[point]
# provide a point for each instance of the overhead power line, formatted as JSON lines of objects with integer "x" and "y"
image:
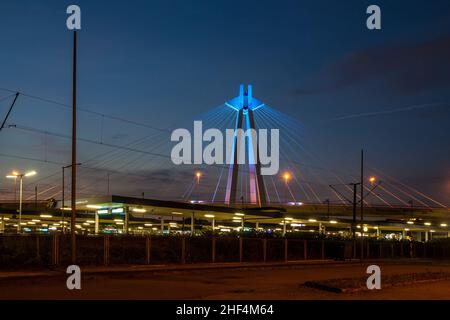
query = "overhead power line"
{"x": 108, "y": 116}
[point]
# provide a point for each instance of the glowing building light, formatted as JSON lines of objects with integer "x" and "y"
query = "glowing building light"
{"x": 297, "y": 225}
{"x": 93, "y": 206}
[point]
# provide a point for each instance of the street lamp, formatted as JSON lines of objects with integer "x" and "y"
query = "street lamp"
{"x": 211, "y": 216}
{"x": 198, "y": 175}
{"x": 16, "y": 175}
{"x": 372, "y": 180}
{"x": 286, "y": 177}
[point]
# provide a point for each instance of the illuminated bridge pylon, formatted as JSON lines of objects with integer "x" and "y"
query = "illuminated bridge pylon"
{"x": 244, "y": 105}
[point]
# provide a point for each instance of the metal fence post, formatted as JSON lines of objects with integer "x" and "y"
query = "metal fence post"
{"x": 264, "y": 249}
{"x": 240, "y": 250}
{"x": 106, "y": 250}
{"x": 38, "y": 249}
{"x": 285, "y": 250}
{"x": 55, "y": 250}
{"x": 323, "y": 250}
{"x": 305, "y": 249}
{"x": 213, "y": 250}
{"x": 148, "y": 249}
{"x": 183, "y": 250}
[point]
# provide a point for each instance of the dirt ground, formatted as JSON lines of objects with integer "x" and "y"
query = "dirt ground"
{"x": 242, "y": 284}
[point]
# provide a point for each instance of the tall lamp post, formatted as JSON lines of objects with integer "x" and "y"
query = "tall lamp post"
{"x": 286, "y": 177}
{"x": 63, "y": 207}
{"x": 16, "y": 175}
{"x": 198, "y": 175}
{"x": 73, "y": 23}
{"x": 354, "y": 202}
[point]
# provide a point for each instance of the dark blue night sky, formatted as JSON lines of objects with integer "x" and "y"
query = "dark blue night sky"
{"x": 162, "y": 62}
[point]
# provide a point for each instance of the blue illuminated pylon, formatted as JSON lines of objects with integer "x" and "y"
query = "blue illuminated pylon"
{"x": 244, "y": 105}
{"x": 245, "y": 100}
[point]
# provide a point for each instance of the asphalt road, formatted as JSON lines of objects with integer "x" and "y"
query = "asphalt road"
{"x": 263, "y": 283}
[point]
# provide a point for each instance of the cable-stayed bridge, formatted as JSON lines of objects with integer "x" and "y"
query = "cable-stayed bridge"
{"x": 129, "y": 157}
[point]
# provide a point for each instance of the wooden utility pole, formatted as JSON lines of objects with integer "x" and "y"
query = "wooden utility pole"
{"x": 354, "y": 211}
{"x": 362, "y": 204}
{"x": 62, "y": 201}
{"x": 74, "y": 151}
